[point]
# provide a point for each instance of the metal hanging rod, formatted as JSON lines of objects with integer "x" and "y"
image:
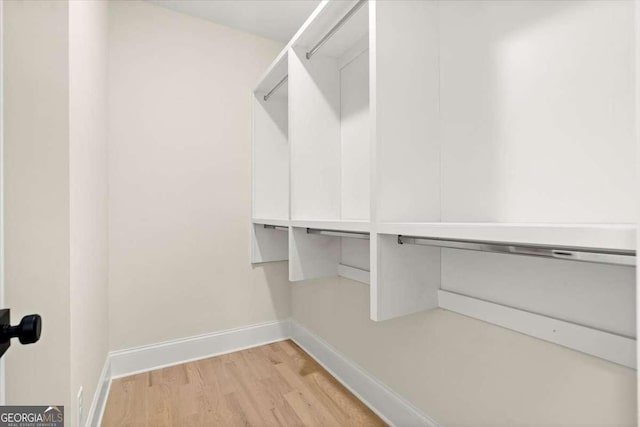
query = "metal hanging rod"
{"x": 602, "y": 256}
{"x": 336, "y": 27}
{"x": 276, "y": 227}
{"x": 276, "y": 87}
{"x": 350, "y": 234}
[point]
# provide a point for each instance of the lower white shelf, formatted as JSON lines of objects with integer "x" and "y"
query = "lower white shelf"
{"x": 268, "y": 221}
{"x": 409, "y": 278}
{"x": 615, "y": 348}
{"x": 337, "y": 225}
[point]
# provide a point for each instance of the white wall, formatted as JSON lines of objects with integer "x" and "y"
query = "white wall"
{"x": 88, "y": 191}
{"x": 637, "y": 76}
{"x": 463, "y": 372}
{"x": 179, "y": 178}
{"x": 36, "y": 203}
{"x": 522, "y": 141}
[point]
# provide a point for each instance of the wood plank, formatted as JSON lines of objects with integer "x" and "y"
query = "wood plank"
{"x": 335, "y": 395}
{"x": 304, "y": 402}
{"x": 272, "y": 385}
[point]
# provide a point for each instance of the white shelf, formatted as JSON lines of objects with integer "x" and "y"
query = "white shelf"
{"x": 271, "y": 221}
{"x": 338, "y": 225}
{"x": 401, "y": 118}
{"x": 353, "y": 31}
{"x": 279, "y": 65}
{"x": 599, "y": 236}
{"x": 276, "y": 71}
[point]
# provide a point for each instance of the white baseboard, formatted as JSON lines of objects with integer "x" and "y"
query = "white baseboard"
{"x": 94, "y": 417}
{"x": 156, "y": 356}
{"x": 392, "y": 408}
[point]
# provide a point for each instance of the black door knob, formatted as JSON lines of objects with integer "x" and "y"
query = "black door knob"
{"x": 28, "y": 331}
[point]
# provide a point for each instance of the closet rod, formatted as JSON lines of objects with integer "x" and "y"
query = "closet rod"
{"x": 276, "y": 227}
{"x": 602, "y": 256}
{"x": 350, "y": 234}
{"x": 276, "y": 87}
{"x": 335, "y": 28}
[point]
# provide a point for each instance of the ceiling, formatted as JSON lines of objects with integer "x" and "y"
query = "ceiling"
{"x": 273, "y": 19}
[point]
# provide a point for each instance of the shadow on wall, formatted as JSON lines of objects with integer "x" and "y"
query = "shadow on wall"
{"x": 276, "y": 276}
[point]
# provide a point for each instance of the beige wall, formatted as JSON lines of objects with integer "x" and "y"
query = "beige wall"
{"x": 36, "y": 198}
{"x": 463, "y": 372}
{"x": 88, "y": 192}
{"x": 55, "y": 197}
{"x": 179, "y": 178}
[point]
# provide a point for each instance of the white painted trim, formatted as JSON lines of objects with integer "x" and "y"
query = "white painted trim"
{"x": 99, "y": 402}
{"x": 169, "y": 353}
{"x": 608, "y": 346}
{"x": 353, "y": 273}
{"x": 392, "y": 408}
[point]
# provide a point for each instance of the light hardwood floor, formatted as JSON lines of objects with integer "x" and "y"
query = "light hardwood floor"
{"x": 272, "y": 385}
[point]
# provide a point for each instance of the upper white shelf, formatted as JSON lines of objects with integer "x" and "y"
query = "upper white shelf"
{"x": 271, "y": 221}
{"x": 355, "y": 29}
{"x": 339, "y": 225}
{"x": 273, "y": 75}
{"x": 596, "y": 236}
{"x": 327, "y": 14}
